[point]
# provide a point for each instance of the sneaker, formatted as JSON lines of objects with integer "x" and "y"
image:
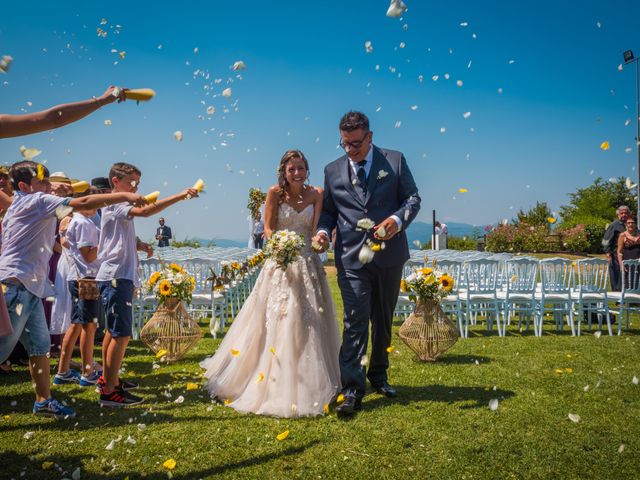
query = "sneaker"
{"x": 126, "y": 386}
{"x": 53, "y": 408}
{"x": 119, "y": 398}
{"x": 89, "y": 381}
{"x": 70, "y": 376}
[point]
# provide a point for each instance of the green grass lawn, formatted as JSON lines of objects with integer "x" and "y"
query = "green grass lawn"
{"x": 440, "y": 427}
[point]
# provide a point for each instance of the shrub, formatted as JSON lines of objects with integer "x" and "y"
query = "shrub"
{"x": 518, "y": 238}
{"x": 574, "y": 239}
{"x": 455, "y": 243}
{"x": 185, "y": 243}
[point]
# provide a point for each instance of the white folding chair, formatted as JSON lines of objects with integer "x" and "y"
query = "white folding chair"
{"x": 590, "y": 294}
{"x": 519, "y": 295}
{"x": 480, "y": 295}
{"x": 556, "y": 276}
{"x": 629, "y": 297}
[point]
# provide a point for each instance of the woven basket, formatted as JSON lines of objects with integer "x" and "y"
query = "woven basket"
{"x": 428, "y": 331}
{"x": 171, "y": 329}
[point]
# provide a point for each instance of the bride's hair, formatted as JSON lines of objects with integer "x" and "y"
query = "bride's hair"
{"x": 282, "y": 169}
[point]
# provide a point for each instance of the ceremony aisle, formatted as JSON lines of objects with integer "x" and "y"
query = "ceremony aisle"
{"x": 514, "y": 407}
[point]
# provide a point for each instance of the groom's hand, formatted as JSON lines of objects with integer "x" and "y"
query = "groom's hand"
{"x": 390, "y": 228}
{"x": 320, "y": 242}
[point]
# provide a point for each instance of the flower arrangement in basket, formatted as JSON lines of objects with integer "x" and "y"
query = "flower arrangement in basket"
{"x": 256, "y": 198}
{"x": 284, "y": 247}
{"x": 427, "y": 284}
{"x": 172, "y": 282}
{"x": 428, "y": 331}
{"x": 171, "y": 331}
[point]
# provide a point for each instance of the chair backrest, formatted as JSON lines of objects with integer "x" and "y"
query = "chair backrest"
{"x": 200, "y": 268}
{"x": 592, "y": 275}
{"x": 556, "y": 275}
{"x": 631, "y": 276}
{"x": 453, "y": 268}
{"x": 481, "y": 276}
{"x": 521, "y": 275}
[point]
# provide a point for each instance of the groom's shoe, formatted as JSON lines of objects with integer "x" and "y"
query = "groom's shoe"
{"x": 349, "y": 406}
{"x": 385, "y": 389}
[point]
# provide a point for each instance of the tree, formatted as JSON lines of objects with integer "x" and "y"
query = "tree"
{"x": 597, "y": 203}
{"x": 535, "y": 216}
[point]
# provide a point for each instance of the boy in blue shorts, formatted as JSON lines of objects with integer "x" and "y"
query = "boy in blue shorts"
{"x": 28, "y": 236}
{"x": 117, "y": 277}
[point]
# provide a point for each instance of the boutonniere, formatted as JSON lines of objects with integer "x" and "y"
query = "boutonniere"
{"x": 382, "y": 174}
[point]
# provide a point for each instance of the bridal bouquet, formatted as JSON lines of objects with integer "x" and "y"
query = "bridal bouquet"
{"x": 172, "y": 282}
{"x": 284, "y": 247}
{"x": 427, "y": 284}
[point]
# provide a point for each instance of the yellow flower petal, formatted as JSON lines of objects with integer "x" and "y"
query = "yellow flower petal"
{"x": 551, "y": 220}
{"x": 463, "y": 190}
{"x": 568, "y": 370}
{"x": 47, "y": 465}
{"x": 390, "y": 348}
{"x": 559, "y": 371}
{"x": 228, "y": 401}
{"x": 169, "y": 464}
{"x": 260, "y": 377}
{"x": 326, "y": 408}
{"x": 282, "y": 435}
{"x": 235, "y": 352}
{"x": 272, "y": 350}
{"x": 192, "y": 386}
{"x": 161, "y": 353}
{"x": 605, "y": 145}
{"x": 40, "y": 172}
{"x": 340, "y": 398}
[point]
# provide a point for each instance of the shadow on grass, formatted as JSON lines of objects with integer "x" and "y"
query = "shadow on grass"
{"x": 469, "y": 397}
{"x": 14, "y": 462}
{"x": 452, "y": 359}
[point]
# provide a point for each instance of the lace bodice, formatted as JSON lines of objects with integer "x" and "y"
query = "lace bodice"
{"x": 299, "y": 222}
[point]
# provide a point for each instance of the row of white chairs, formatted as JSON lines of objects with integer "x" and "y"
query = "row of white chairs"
{"x": 529, "y": 288}
{"x": 220, "y": 305}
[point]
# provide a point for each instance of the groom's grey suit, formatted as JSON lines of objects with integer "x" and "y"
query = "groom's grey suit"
{"x": 369, "y": 292}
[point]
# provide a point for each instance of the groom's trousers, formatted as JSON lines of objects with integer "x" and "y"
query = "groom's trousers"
{"x": 368, "y": 295}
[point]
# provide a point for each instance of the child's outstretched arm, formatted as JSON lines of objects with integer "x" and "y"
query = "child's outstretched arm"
{"x": 163, "y": 203}
{"x": 103, "y": 199}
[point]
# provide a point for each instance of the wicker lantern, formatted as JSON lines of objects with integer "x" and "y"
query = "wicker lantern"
{"x": 428, "y": 331}
{"x": 171, "y": 329}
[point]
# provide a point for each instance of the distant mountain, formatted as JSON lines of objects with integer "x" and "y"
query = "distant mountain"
{"x": 422, "y": 231}
{"x": 221, "y": 242}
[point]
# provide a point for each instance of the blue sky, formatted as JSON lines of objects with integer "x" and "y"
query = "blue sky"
{"x": 538, "y": 138}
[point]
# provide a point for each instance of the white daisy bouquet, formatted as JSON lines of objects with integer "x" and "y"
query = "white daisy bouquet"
{"x": 284, "y": 247}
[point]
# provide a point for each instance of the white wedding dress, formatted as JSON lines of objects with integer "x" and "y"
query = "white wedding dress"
{"x": 280, "y": 355}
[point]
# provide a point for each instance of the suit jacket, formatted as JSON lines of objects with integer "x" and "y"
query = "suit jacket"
{"x": 391, "y": 190}
{"x": 166, "y": 235}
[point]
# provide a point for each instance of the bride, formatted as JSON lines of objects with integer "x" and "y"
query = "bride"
{"x": 280, "y": 355}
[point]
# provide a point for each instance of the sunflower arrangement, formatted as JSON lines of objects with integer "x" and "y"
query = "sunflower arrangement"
{"x": 427, "y": 284}
{"x": 172, "y": 281}
{"x": 284, "y": 247}
{"x": 256, "y": 198}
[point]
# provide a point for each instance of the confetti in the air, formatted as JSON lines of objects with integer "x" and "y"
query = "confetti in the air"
{"x": 605, "y": 145}
{"x": 368, "y": 47}
{"x": 235, "y": 352}
{"x": 178, "y": 135}
{"x": 227, "y": 93}
{"x": 239, "y": 65}
{"x": 5, "y": 62}
{"x": 463, "y": 190}
{"x": 396, "y": 8}
{"x": 466, "y": 115}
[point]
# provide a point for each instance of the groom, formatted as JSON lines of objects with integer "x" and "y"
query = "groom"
{"x": 367, "y": 182}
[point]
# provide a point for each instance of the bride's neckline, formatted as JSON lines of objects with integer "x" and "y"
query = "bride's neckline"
{"x": 296, "y": 210}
